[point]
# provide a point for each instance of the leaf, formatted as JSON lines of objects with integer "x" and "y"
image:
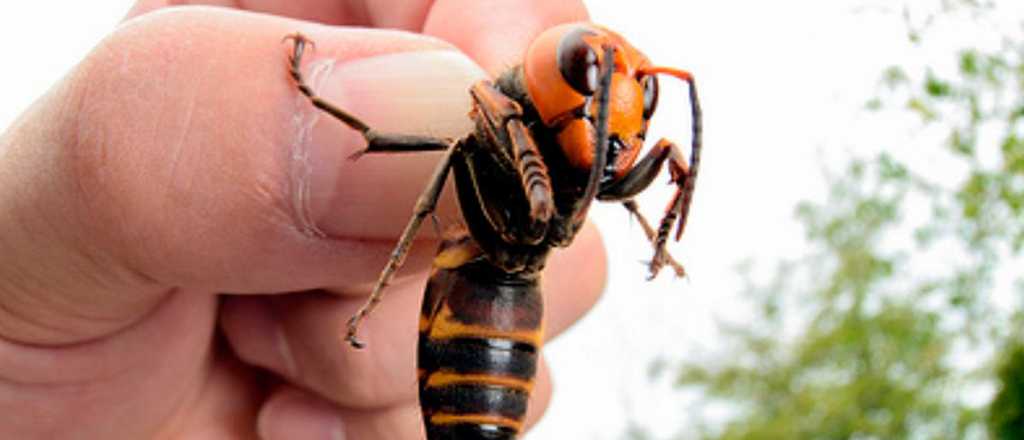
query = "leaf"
{"x": 936, "y": 87}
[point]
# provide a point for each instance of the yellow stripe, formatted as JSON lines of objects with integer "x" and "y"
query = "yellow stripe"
{"x": 442, "y": 378}
{"x": 456, "y": 256}
{"x": 446, "y": 327}
{"x": 476, "y": 419}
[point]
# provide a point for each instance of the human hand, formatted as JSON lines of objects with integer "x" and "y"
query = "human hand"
{"x": 178, "y": 162}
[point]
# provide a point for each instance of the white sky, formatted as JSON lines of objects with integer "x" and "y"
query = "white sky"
{"x": 780, "y": 82}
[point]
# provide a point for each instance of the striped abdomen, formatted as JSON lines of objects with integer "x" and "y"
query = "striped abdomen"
{"x": 480, "y": 333}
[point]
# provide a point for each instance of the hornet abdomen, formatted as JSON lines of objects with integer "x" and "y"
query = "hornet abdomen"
{"x": 480, "y": 335}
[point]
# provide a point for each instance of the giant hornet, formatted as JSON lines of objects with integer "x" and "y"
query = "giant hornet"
{"x": 552, "y": 134}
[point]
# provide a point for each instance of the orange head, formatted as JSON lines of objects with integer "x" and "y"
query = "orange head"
{"x": 562, "y": 73}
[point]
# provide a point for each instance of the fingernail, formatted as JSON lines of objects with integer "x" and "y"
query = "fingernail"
{"x": 254, "y": 327}
{"x": 284, "y": 349}
{"x": 294, "y": 414}
{"x": 417, "y": 92}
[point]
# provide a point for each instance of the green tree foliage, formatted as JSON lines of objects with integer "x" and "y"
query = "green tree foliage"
{"x": 892, "y": 325}
{"x": 1006, "y": 415}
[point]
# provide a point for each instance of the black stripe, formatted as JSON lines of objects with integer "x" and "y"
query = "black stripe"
{"x": 475, "y": 398}
{"x": 507, "y": 304}
{"x": 478, "y": 356}
{"x": 463, "y": 431}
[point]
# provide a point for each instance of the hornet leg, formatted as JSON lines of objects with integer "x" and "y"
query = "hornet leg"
{"x": 380, "y": 142}
{"x": 375, "y": 141}
{"x": 664, "y": 153}
{"x": 424, "y": 206}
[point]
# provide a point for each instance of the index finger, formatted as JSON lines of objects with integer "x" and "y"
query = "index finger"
{"x": 406, "y": 15}
{"x": 496, "y": 33}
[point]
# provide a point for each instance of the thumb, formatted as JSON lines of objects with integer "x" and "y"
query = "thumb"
{"x": 180, "y": 155}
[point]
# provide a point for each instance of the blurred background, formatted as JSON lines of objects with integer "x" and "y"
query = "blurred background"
{"x": 854, "y": 247}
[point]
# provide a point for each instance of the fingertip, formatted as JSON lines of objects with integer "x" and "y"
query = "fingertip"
{"x": 290, "y": 413}
{"x": 575, "y": 280}
{"x": 253, "y": 327}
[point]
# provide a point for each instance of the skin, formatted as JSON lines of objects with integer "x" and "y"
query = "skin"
{"x": 157, "y": 278}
